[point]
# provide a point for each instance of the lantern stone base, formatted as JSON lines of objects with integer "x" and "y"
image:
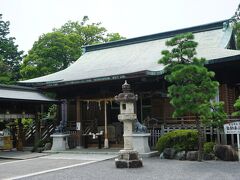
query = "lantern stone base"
{"x": 60, "y": 142}
{"x": 128, "y": 159}
{"x": 140, "y": 142}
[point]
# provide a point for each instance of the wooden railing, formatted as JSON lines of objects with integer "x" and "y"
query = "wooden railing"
{"x": 45, "y": 133}
{"x": 48, "y": 130}
{"x": 30, "y": 132}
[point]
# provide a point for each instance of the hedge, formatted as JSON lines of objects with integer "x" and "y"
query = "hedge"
{"x": 179, "y": 140}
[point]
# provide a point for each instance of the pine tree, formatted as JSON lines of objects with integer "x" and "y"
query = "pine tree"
{"x": 191, "y": 85}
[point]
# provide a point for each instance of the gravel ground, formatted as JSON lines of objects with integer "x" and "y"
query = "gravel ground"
{"x": 154, "y": 168}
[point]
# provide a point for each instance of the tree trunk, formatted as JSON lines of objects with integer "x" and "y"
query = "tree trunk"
{"x": 200, "y": 149}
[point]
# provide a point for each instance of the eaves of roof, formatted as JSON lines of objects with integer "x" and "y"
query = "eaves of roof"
{"x": 24, "y": 94}
{"x": 91, "y": 80}
{"x": 30, "y": 100}
{"x": 16, "y": 87}
{"x": 225, "y": 59}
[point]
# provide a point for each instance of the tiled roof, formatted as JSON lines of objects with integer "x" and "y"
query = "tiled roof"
{"x": 19, "y": 93}
{"x": 138, "y": 55}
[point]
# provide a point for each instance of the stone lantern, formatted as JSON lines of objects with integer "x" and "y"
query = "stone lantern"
{"x": 128, "y": 158}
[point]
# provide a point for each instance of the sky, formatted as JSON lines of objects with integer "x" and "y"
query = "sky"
{"x": 131, "y": 18}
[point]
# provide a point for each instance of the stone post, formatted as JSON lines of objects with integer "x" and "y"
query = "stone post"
{"x": 127, "y": 158}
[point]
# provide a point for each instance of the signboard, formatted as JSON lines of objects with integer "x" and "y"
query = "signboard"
{"x": 232, "y": 128}
{"x": 78, "y": 126}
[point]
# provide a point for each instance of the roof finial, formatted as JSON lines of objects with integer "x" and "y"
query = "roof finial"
{"x": 126, "y": 87}
{"x": 225, "y": 25}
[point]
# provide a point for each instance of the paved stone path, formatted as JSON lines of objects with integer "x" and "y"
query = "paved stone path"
{"x": 20, "y": 155}
{"x": 154, "y": 169}
{"x": 46, "y": 164}
{"x": 97, "y": 166}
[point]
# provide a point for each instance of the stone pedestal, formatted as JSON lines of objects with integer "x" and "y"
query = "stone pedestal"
{"x": 128, "y": 159}
{"x": 60, "y": 142}
{"x": 140, "y": 143}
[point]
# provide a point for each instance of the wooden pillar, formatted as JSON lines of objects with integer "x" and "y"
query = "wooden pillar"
{"x": 40, "y": 121}
{"x": 20, "y": 135}
{"x": 37, "y": 133}
{"x": 165, "y": 110}
{"x": 106, "y": 144}
{"x": 79, "y": 123}
{"x": 141, "y": 108}
{"x": 64, "y": 109}
{"x": 218, "y": 136}
{"x": 232, "y": 139}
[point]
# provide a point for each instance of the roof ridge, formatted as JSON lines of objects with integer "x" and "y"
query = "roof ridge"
{"x": 162, "y": 35}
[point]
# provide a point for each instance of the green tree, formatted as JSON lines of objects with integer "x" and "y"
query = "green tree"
{"x": 237, "y": 107}
{"x": 216, "y": 117}
{"x": 52, "y": 52}
{"x": 56, "y": 50}
{"x": 114, "y": 37}
{"x": 89, "y": 34}
{"x": 5, "y": 75}
{"x": 10, "y": 57}
{"x": 237, "y": 32}
{"x": 191, "y": 85}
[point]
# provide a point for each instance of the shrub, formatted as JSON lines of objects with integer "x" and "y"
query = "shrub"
{"x": 208, "y": 147}
{"x": 179, "y": 140}
{"x": 39, "y": 146}
{"x": 27, "y": 122}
